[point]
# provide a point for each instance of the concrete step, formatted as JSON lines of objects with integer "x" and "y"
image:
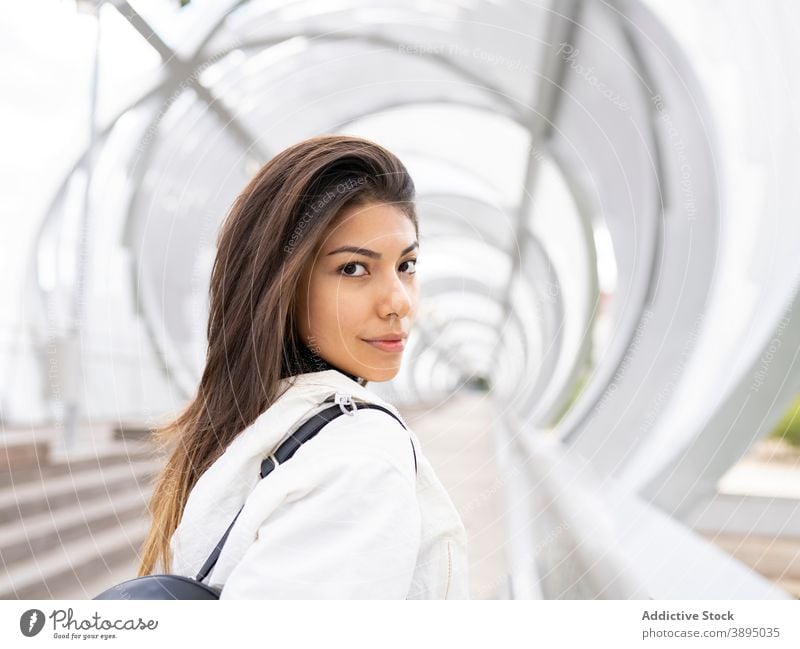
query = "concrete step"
{"x": 21, "y": 540}
{"x": 18, "y": 454}
{"x": 96, "y": 459}
{"x": 790, "y": 586}
{"x": 90, "y": 587}
{"x": 63, "y": 491}
{"x": 68, "y": 565}
{"x": 775, "y": 558}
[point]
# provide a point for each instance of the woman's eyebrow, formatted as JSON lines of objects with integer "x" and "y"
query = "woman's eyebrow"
{"x": 370, "y": 253}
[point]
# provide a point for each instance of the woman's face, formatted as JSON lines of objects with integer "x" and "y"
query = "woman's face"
{"x": 361, "y": 285}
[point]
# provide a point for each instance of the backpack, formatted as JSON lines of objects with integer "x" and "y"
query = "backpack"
{"x": 166, "y": 586}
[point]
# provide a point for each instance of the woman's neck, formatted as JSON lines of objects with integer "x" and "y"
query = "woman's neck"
{"x": 310, "y": 361}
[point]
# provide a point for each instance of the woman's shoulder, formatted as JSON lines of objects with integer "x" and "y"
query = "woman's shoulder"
{"x": 367, "y": 435}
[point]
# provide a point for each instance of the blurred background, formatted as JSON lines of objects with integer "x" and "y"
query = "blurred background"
{"x": 604, "y": 370}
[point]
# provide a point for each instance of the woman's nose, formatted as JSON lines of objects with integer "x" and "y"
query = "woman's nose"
{"x": 396, "y": 299}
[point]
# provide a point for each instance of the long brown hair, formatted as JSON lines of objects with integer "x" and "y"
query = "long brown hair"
{"x": 272, "y": 230}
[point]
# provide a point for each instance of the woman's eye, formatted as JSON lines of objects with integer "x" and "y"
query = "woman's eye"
{"x": 342, "y": 269}
{"x": 413, "y": 263}
{"x": 348, "y": 269}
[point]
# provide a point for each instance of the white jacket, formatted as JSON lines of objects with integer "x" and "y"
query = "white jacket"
{"x": 345, "y": 517}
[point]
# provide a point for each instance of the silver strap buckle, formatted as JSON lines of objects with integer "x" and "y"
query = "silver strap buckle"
{"x": 344, "y": 400}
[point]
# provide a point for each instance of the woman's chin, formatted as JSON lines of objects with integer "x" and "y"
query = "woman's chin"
{"x": 378, "y": 375}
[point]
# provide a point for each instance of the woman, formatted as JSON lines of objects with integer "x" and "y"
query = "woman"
{"x": 315, "y": 265}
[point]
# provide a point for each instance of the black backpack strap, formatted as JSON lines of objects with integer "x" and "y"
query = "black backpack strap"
{"x": 288, "y": 448}
{"x": 212, "y": 558}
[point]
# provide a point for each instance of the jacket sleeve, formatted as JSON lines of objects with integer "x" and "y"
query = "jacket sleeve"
{"x": 353, "y": 534}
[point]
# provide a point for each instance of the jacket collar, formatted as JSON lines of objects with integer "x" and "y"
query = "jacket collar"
{"x": 331, "y": 378}
{"x": 334, "y": 381}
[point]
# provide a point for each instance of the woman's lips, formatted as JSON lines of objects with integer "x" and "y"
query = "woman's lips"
{"x": 388, "y": 345}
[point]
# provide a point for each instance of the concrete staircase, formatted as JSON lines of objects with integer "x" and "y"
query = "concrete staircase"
{"x": 753, "y": 516}
{"x": 70, "y": 528}
{"x": 777, "y": 559}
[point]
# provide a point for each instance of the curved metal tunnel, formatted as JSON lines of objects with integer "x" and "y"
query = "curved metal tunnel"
{"x": 576, "y": 220}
